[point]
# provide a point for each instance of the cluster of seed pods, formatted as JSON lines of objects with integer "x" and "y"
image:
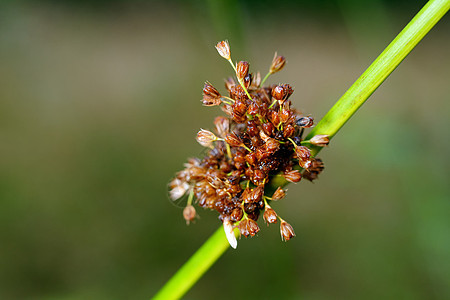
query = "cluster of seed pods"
{"x": 259, "y": 137}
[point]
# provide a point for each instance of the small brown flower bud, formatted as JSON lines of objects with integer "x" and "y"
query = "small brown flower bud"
{"x": 210, "y": 91}
{"x": 251, "y": 158}
{"x": 279, "y": 194}
{"x": 189, "y": 213}
{"x": 248, "y": 227}
{"x": 305, "y": 122}
{"x": 284, "y": 115}
{"x": 288, "y": 131}
{"x": 236, "y": 215}
{"x": 222, "y": 125}
{"x": 257, "y": 194}
{"x": 242, "y": 70}
{"x": 293, "y": 176}
{"x": 303, "y": 153}
{"x": 286, "y": 230}
{"x": 224, "y": 49}
{"x": 268, "y": 129}
{"x": 320, "y": 140}
{"x": 247, "y": 196}
{"x": 278, "y": 63}
{"x": 270, "y": 216}
{"x": 205, "y": 137}
{"x": 233, "y": 140}
{"x": 271, "y": 145}
{"x": 278, "y": 93}
{"x": 274, "y": 118}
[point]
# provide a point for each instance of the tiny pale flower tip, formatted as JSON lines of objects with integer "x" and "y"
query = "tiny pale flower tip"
{"x": 178, "y": 190}
{"x": 205, "y": 137}
{"x": 229, "y": 233}
{"x": 224, "y": 49}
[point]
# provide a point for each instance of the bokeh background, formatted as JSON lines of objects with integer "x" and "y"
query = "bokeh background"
{"x": 99, "y": 107}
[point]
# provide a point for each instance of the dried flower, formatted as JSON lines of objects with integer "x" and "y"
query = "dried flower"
{"x": 293, "y": 176}
{"x": 205, "y": 137}
{"x": 224, "y": 49}
{"x": 279, "y": 194}
{"x": 242, "y": 70}
{"x": 248, "y": 227}
{"x": 222, "y": 125}
{"x": 178, "y": 188}
{"x": 305, "y": 122}
{"x": 320, "y": 140}
{"x": 303, "y": 153}
{"x": 211, "y": 97}
{"x": 278, "y": 63}
{"x": 189, "y": 213}
{"x": 270, "y": 216}
{"x": 233, "y": 140}
{"x": 286, "y": 230}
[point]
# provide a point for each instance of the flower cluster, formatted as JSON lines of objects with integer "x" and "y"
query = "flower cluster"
{"x": 259, "y": 138}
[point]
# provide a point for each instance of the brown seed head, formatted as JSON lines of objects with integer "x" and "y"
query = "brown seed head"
{"x": 242, "y": 70}
{"x": 278, "y": 63}
{"x": 270, "y": 216}
{"x": 320, "y": 140}
{"x": 189, "y": 213}
{"x": 286, "y": 230}
{"x": 224, "y": 49}
{"x": 293, "y": 176}
{"x": 205, "y": 137}
{"x": 279, "y": 194}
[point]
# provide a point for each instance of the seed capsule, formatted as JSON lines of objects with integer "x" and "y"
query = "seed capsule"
{"x": 270, "y": 216}
{"x": 248, "y": 227}
{"x": 278, "y": 63}
{"x": 305, "y": 122}
{"x": 189, "y": 214}
{"x": 286, "y": 230}
{"x": 279, "y": 194}
{"x": 233, "y": 140}
{"x": 303, "y": 153}
{"x": 293, "y": 176}
{"x": 278, "y": 93}
{"x": 242, "y": 70}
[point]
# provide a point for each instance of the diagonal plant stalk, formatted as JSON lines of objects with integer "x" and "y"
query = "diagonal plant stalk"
{"x": 331, "y": 123}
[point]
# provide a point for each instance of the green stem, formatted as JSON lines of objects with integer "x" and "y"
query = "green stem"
{"x": 338, "y": 115}
{"x": 195, "y": 267}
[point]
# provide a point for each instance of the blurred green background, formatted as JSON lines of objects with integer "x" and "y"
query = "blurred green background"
{"x": 99, "y": 107}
